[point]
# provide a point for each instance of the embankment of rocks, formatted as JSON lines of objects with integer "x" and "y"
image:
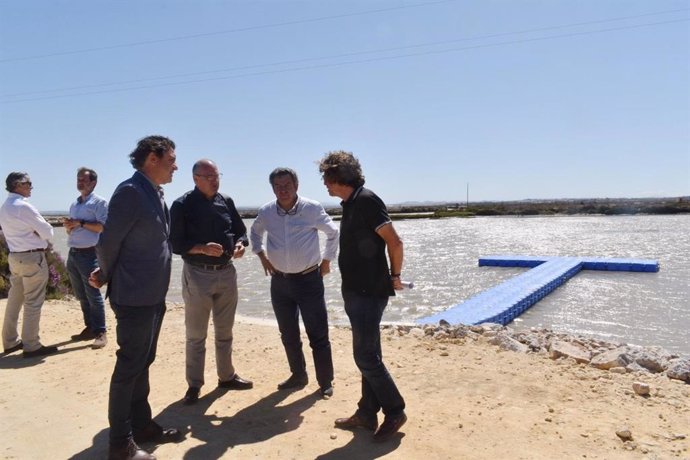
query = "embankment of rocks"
{"x": 609, "y": 356}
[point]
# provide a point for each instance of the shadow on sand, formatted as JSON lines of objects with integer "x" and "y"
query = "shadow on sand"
{"x": 253, "y": 424}
{"x": 17, "y": 361}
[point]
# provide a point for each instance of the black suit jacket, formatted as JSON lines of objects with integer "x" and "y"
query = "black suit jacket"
{"x": 134, "y": 251}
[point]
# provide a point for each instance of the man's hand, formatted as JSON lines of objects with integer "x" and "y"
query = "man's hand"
{"x": 325, "y": 267}
{"x": 269, "y": 269}
{"x": 397, "y": 284}
{"x": 208, "y": 249}
{"x": 95, "y": 279}
{"x": 70, "y": 224}
{"x": 239, "y": 251}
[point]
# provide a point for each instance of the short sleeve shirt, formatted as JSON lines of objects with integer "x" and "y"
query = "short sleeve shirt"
{"x": 362, "y": 260}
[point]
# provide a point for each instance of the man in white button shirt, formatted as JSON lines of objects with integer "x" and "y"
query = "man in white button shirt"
{"x": 293, "y": 259}
{"x": 27, "y": 234}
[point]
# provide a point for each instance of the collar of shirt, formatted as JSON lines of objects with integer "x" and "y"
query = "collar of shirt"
{"x": 352, "y": 196}
{"x": 82, "y": 200}
{"x": 14, "y": 196}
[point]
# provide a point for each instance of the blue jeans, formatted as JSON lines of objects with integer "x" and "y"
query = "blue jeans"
{"x": 303, "y": 295}
{"x": 80, "y": 264}
{"x": 379, "y": 391}
{"x": 137, "y": 336}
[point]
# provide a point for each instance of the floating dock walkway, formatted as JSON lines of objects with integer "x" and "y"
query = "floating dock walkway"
{"x": 505, "y": 302}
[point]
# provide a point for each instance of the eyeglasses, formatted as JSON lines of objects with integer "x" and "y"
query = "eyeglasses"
{"x": 210, "y": 177}
{"x": 28, "y": 182}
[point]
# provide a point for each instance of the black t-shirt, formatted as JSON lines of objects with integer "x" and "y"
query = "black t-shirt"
{"x": 362, "y": 259}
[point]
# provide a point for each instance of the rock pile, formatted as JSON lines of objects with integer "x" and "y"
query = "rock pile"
{"x": 610, "y": 356}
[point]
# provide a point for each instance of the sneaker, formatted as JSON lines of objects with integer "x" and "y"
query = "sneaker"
{"x": 100, "y": 341}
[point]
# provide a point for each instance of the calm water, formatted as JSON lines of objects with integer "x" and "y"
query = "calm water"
{"x": 441, "y": 258}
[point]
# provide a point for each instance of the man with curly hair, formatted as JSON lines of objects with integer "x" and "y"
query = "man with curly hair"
{"x": 366, "y": 233}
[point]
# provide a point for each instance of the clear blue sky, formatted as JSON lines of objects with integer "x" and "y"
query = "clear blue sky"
{"x": 520, "y": 99}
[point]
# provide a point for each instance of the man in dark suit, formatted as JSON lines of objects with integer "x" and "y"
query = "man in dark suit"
{"x": 134, "y": 258}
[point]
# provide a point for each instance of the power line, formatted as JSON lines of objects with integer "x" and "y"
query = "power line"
{"x": 224, "y": 32}
{"x": 343, "y": 55}
{"x": 351, "y": 62}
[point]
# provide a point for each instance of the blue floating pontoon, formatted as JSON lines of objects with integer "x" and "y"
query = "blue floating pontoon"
{"x": 505, "y": 302}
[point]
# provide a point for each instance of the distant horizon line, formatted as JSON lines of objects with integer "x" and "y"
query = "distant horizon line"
{"x": 440, "y": 203}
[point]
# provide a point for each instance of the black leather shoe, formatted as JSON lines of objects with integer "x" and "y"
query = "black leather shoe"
{"x": 295, "y": 381}
{"x": 389, "y": 427}
{"x": 86, "y": 334}
{"x": 129, "y": 451}
{"x": 17, "y": 347}
{"x": 191, "y": 397}
{"x": 356, "y": 421}
{"x": 157, "y": 434}
{"x": 236, "y": 383}
{"x": 40, "y": 352}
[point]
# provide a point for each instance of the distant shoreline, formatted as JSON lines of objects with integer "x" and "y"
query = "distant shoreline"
{"x": 561, "y": 207}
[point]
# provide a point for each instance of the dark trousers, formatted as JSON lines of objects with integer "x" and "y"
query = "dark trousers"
{"x": 292, "y": 296}
{"x": 379, "y": 391}
{"x": 137, "y": 336}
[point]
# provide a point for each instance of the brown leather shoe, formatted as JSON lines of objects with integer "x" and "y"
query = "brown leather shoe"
{"x": 356, "y": 421}
{"x": 157, "y": 434}
{"x": 129, "y": 451}
{"x": 85, "y": 334}
{"x": 390, "y": 426}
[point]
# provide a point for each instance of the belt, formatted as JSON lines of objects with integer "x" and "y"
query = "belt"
{"x": 296, "y": 275}
{"x": 209, "y": 266}
{"x": 30, "y": 250}
{"x": 91, "y": 249}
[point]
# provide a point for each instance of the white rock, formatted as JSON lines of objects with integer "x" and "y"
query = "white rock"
{"x": 641, "y": 389}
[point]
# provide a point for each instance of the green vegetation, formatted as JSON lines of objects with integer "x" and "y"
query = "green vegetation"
{"x": 58, "y": 278}
{"x": 595, "y": 206}
{"x": 565, "y": 207}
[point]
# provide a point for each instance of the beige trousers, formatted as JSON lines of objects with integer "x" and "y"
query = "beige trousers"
{"x": 28, "y": 280}
{"x": 207, "y": 292}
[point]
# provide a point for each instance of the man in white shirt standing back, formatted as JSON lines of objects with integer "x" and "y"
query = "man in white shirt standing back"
{"x": 292, "y": 258}
{"x": 27, "y": 234}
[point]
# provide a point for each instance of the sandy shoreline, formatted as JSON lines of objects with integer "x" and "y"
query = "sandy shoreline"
{"x": 465, "y": 399}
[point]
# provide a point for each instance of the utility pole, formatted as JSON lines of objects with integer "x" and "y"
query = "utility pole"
{"x": 467, "y": 204}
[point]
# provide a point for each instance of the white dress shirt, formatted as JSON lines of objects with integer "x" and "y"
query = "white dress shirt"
{"x": 23, "y": 226}
{"x": 292, "y": 244}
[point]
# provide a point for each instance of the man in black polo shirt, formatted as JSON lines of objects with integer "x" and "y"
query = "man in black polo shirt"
{"x": 366, "y": 232}
{"x": 208, "y": 232}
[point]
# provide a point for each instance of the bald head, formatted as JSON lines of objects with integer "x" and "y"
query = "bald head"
{"x": 206, "y": 177}
{"x": 204, "y": 163}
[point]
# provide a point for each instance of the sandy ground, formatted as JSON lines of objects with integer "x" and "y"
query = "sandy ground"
{"x": 465, "y": 400}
